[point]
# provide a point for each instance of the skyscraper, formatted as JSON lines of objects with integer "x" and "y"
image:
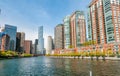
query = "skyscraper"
{"x": 67, "y": 42}
{"x": 11, "y": 31}
{"x": 40, "y": 41}
{"x": 1, "y": 34}
{"x": 33, "y": 49}
{"x": 35, "y": 46}
{"x": 5, "y": 42}
{"x": 20, "y": 42}
{"x": 28, "y": 46}
{"x": 104, "y": 21}
{"x": 49, "y": 45}
{"x": 0, "y": 40}
{"x": 78, "y": 29}
{"x": 59, "y": 36}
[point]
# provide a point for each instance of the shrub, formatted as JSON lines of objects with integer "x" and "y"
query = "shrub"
{"x": 27, "y": 55}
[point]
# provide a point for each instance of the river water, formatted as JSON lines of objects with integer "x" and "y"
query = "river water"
{"x": 46, "y": 66}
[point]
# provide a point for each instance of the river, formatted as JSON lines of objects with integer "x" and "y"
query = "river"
{"x": 46, "y": 66}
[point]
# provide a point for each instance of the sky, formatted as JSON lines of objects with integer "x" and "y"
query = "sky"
{"x": 28, "y": 15}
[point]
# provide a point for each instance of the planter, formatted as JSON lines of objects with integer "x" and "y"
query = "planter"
{"x": 103, "y": 58}
{"x": 91, "y": 57}
{"x": 82, "y": 57}
{"x": 97, "y": 57}
{"x": 118, "y": 56}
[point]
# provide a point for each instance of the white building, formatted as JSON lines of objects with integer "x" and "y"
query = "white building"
{"x": 49, "y": 45}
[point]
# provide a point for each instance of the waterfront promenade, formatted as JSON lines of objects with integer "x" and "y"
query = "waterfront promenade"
{"x": 95, "y": 58}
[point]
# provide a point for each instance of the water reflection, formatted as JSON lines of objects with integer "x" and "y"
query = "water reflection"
{"x": 44, "y": 66}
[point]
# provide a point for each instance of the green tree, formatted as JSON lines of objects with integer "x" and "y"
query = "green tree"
{"x": 70, "y": 46}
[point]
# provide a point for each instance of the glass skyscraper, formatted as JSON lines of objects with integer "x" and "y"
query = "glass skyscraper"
{"x": 40, "y": 41}
{"x": 89, "y": 26}
{"x": 11, "y": 31}
{"x": 66, "y": 21}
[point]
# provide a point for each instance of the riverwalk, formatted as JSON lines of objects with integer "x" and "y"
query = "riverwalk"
{"x": 94, "y": 58}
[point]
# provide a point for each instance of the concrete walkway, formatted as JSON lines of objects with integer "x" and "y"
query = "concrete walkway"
{"x": 100, "y": 58}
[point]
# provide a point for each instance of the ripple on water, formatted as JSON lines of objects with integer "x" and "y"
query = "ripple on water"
{"x": 44, "y": 66}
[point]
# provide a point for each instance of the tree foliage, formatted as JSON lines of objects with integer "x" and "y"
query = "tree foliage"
{"x": 87, "y": 43}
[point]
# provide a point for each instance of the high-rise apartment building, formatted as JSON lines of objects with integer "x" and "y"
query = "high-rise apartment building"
{"x": 1, "y": 34}
{"x": 66, "y": 22}
{"x": 5, "y": 39}
{"x": 59, "y": 36}
{"x": 20, "y": 37}
{"x": 104, "y": 21}
{"x": 28, "y": 46}
{"x": 40, "y": 41}
{"x": 49, "y": 45}
{"x": 77, "y": 28}
{"x": 11, "y": 31}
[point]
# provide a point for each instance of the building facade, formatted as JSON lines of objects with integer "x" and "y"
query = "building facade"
{"x": 0, "y": 40}
{"x": 59, "y": 36}
{"x": 33, "y": 49}
{"x": 5, "y": 42}
{"x": 104, "y": 21}
{"x": 1, "y": 34}
{"x": 40, "y": 41}
{"x": 35, "y": 46}
{"x": 11, "y": 31}
{"x": 78, "y": 29}
{"x": 66, "y": 22}
{"x": 49, "y": 45}
{"x": 112, "y": 20}
{"x": 28, "y": 46}
{"x": 20, "y": 37}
